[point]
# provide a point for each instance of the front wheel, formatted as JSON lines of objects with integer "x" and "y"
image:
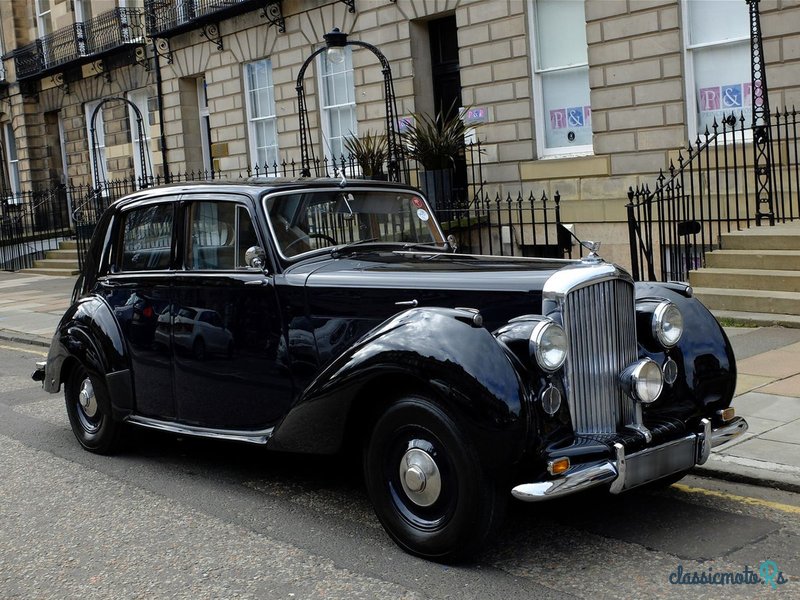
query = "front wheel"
{"x": 89, "y": 412}
{"x": 427, "y": 485}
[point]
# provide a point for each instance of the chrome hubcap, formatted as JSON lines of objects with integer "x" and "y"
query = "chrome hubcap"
{"x": 420, "y": 477}
{"x": 87, "y": 399}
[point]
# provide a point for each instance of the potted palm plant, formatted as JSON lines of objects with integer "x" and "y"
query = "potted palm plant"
{"x": 369, "y": 152}
{"x": 436, "y": 142}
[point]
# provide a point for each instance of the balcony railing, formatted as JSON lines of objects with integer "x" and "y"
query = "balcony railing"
{"x": 80, "y": 43}
{"x": 171, "y": 17}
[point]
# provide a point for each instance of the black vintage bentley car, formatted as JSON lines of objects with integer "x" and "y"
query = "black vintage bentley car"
{"x": 312, "y": 316}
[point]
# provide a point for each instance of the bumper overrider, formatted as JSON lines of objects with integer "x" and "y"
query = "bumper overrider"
{"x": 629, "y": 471}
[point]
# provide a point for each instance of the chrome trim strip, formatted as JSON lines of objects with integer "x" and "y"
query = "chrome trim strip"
{"x": 704, "y": 442}
{"x": 576, "y": 479}
{"x": 253, "y": 437}
{"x": 622, "y": 469}
{"x": 729, "y": 431}
{"x": 582, "y": 477}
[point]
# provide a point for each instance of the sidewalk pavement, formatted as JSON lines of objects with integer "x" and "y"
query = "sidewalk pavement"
{"x": 767, "y": 390}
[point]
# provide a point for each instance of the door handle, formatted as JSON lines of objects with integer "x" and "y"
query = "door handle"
{"x": 412, "y": 303}
{"x": 257, "y": 282}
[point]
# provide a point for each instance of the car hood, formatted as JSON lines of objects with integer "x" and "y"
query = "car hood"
{"x": 422, "y": 271}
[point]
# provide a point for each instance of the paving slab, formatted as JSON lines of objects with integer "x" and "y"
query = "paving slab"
{"x": 775, "y": 363}
{"x": 767, "y": 406}
{"x": 789, "y": 433}
{"x": 767, "y": 450}
{"x": 746, "y": 383}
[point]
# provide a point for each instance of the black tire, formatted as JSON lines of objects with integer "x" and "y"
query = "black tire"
{"x": 447, "y": 525}
{"x": 90, "y": 414}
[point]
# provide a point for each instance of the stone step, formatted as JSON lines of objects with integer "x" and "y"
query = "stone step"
{"x": 62, "y": 254}
{"x": 56, "y": 263}
{"x": 68, "y": 245}
{"x": 785, "y": 236}
{"x": 785, "y": 260}
{"x": 755, "y": 319}
{"x": 56, "y": 272}
{"x": 758, "y": 279}
{"x": 750, "y": 300}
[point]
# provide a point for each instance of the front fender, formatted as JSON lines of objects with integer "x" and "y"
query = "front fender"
{"x": 436, "y": 352}
{"x": 707, "y": 367}
{"x": 89, "y": 333}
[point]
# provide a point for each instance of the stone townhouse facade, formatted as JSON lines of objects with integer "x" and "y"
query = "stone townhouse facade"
{"x": 587, "y": 97}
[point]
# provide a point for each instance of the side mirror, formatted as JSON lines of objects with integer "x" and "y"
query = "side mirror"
{"x": 256, "y": 258}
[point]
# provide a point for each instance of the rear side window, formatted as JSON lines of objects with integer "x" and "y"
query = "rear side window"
{"x": 147, "y": 238}
{"x": 219, "y": 235}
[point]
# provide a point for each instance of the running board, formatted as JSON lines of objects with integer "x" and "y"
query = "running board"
{"x": 259, "y": 437}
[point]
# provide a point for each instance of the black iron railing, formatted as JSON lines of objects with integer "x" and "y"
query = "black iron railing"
{"x": 31, "y": 223}
{"x": 710, "y": 192}
{"x": 171, "y": 17}
{"x": 520, "y": 224}
{"x": 80, "y": 42}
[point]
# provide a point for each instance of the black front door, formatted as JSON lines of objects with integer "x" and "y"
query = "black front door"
{"x": 231, "y": 361}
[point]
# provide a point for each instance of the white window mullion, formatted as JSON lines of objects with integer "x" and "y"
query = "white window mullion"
{"x": 563, "y": 119}
{"x": 140, "y": 99}
{"x": 337, "y": 103}
{"x": 99, "y": 151}
{"x": 717, "y": 59}
{"x": 261, "y": 116}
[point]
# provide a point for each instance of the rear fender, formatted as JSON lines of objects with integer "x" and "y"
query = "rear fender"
{"x": 89, "y": 334}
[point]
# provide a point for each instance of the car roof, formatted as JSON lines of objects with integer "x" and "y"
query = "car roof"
{"x": 254, "y": 186}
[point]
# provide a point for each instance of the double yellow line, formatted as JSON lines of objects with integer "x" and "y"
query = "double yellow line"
{"x": 788, "y": 508}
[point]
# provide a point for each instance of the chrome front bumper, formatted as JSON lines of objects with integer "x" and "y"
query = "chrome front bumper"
{"x": 626, "y": 472}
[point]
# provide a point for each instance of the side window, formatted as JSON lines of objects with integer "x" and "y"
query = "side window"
{"x": 219, "y": 235}
{"x": 147, "y": 238}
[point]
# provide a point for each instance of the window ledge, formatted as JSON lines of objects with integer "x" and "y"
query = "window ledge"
{"x": 559, "y": 167}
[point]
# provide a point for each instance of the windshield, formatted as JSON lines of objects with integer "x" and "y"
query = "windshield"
{"x": 314, "y": 219}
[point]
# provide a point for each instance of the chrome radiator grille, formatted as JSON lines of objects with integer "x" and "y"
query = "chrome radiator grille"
{"x": 600, "y": 323}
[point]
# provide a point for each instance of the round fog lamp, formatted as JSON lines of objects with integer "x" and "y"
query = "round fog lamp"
{"x": 667, "y": 324}
{"x": 643, "y": 380}
{"x": 670, "y": 370}
{"x": 548, "y": 344}
{"x": 551, "y": 400}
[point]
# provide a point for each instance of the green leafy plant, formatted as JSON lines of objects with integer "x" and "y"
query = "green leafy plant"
{"x": 369, "y": 151}
{"x": 436, "y": 141}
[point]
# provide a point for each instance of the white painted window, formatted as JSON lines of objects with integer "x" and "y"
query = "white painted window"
{"x": 717, "y": 45}
{"x": 97, "y": 143}
{"x": 337, "y": 103}
{"x": 140, "y": 99}
{"x": 561, "y": 77}
{"x": 44, "y": 19}
{"x": 12, "y": 162}
{"x": 83, "y": 10}
{"x": 261, "y": 119}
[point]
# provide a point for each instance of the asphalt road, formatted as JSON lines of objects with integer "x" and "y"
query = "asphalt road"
{"x": 181, "y": 518}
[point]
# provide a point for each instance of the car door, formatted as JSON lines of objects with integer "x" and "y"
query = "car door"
{"x": 231, "y": 362}
{"x": 138, "y": 290}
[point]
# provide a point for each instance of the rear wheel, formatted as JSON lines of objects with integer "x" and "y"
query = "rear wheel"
{"x": 89, "y": 412}
{"x": 427, "y": 484}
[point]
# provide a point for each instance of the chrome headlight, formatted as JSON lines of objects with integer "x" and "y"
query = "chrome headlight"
{"x": 548, "y": 344}
{"x": 667, "y": 324}
{"x": 643, "y": 380}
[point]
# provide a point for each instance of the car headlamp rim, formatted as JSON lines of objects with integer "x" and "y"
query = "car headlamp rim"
{"x": 643, "y": 380}
{"x": 542, "y": 338}
{"x": 667, "y": 324}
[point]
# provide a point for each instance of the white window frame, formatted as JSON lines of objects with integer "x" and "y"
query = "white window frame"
{"x": 81, "y": 12}
{"x": 44, "y": 18}
{"x": 253, "y": 120}
{"x": 689, "y": 78}
{"x": 12, "y": 162}
{"x": 100, "y": 130}
{"x": 327, "y": 110}
{"x": 140, "y": 99}
{"x": 540, "y": 118}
